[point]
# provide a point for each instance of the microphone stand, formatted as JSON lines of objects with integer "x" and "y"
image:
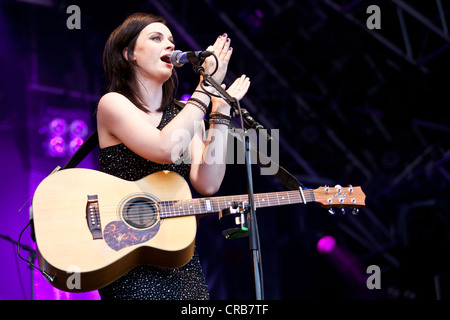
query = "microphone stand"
{"x": 254, "y": 243}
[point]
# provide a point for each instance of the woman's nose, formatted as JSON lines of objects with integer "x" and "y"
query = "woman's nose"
{"x": 170, "y": 45}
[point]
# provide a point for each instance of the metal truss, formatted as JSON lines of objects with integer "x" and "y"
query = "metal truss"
{"x": 424, "y": 36}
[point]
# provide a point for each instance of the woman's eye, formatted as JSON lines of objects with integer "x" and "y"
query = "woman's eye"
{"x": 156, "y": 38}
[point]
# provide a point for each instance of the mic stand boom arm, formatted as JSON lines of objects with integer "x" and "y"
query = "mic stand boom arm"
{"x": 251, "y": 216}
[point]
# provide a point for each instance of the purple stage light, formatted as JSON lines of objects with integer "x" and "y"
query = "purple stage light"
{"x": 185, "y": 97}
{"x": 78, "y": 129}
{"x": 74, "y": 144}
{"x": 57, "y": 127}
{"x": 259, "y": 14}
{"x": 326, "y": 244}
{"x": 56, "y": 146}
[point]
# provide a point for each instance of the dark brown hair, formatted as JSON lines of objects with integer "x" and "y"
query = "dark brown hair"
{"x": 120, "y": 72}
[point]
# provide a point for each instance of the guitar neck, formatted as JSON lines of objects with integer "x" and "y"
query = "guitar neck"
{"x": 201, "y": 206}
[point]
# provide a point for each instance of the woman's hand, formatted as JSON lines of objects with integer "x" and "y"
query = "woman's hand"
{"x": 221, "y": 48}
{"x": 237, "y": 90}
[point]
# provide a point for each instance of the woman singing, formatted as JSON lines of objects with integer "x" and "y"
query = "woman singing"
{"x": 139, "y": 126}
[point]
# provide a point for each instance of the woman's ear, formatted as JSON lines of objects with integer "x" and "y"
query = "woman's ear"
{"x": 125, "y": 53}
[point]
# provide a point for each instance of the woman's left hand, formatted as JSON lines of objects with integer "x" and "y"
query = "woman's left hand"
{"x": 237, "y": 90}
{"x": 222, "y": 50}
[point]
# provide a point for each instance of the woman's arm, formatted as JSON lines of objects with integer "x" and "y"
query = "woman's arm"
{"x": 208, "y": 155}
{"x": 120, "y": 119}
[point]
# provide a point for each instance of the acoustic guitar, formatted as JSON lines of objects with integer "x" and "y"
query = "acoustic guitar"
{"x": 91, "y": 227}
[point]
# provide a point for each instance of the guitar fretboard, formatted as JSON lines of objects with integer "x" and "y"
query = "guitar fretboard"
{"x": 197, "y": 206}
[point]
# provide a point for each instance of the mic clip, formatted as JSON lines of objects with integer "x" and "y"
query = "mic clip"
{"x": 234, "y": 220}
{"x": 248, "y": 119}
{"x": 197, "y": 59}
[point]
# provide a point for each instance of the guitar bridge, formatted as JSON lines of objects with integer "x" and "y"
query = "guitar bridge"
{"x": 93, "y": 217}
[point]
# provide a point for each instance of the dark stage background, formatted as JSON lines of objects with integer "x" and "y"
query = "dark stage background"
{"x": 353, "y": 105}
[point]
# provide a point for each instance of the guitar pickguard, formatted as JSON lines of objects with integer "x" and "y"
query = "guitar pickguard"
{"x": 119, "y": 235}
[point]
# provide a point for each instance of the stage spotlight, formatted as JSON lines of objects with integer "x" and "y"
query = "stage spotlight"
{"x": 57, "y": 127}
{"x": 78, "y": 129}
{"x": 326, "y": 244}
{"x": 56, "y": 146}
{"x": 74, "y": 144}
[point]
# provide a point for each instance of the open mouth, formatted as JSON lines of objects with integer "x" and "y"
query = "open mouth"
{"x": 166, "y": 58}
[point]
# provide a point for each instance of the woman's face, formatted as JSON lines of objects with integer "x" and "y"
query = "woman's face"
{"x": 152, "y": 52}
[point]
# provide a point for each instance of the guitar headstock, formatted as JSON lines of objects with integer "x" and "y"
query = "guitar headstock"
{"x": 340, "y": 197}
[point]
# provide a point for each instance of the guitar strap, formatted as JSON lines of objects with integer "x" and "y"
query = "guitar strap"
{"x": 83, "y": 151}
{"x": 287, "y": 179}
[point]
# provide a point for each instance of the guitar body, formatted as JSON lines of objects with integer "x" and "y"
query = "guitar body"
{"x": 92, "y": 227}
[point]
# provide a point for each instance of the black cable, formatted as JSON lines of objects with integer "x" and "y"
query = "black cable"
{"x": 45, "y": 274}
{"x": 203, "y": 83}
{"x": 217, "y": 64}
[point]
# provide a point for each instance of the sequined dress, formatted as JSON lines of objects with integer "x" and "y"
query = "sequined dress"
{"x": 149, "y": 282}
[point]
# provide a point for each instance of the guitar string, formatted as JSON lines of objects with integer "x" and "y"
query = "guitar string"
{"x": 291, "y": 197}
{"x": 198, "y": 208}
{"x": 192, "y": 210}
{"x": 195, "y": 206}
{"x": 198, "y": 203}
{"x": 229, "y": 199}
{"x": 180, "y": 207}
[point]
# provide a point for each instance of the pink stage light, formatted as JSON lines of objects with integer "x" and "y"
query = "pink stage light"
{"x": 185, "y": 97}
{"x": 326, "y": 244}
{"x": 57, "y": 127}
{"x": 56, "y": 146}
{"x": 74, "y": 144}
{"x": 78, "y": 129}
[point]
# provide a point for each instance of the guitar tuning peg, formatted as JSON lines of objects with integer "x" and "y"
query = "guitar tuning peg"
{"x": 331, "y": 211}
{"x": 355, "y": 211}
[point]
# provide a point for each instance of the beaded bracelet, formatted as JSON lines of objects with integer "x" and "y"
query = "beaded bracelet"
{"x": 219, "y": 115}
{"x": 219, "y": 121}
{"x": 198, "y": 103}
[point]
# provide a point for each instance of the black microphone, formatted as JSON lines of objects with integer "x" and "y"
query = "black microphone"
{"x": 179, "y": 58}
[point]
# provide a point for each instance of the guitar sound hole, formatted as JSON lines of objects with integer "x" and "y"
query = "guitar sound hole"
{"x": 140, "y": 212}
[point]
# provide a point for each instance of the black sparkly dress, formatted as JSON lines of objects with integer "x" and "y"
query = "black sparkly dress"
{"x": 149, "y": 282}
